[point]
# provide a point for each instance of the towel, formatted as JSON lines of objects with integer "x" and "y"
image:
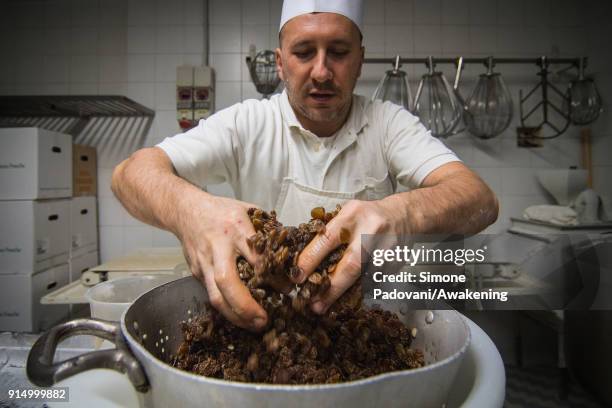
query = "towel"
{"x": 554, "y": 214}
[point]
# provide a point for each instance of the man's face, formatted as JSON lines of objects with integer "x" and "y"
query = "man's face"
{"x": 320, "y": 60}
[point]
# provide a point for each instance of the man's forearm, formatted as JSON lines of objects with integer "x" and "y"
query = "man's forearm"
{"x": 149, "y": 189}
{"x": 460, "y": 204}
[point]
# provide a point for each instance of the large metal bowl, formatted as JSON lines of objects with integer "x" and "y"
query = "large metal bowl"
{"x": 149, "y": 333}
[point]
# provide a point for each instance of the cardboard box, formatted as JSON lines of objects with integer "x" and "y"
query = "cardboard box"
{"x": 34, "y": 235}
{"x": 84, "y": 171}
{"x": 81, "y": 264}
{"x": 20, "y": 307}
{"x": 35, "y": 163}
{"x": 83, "y": 226}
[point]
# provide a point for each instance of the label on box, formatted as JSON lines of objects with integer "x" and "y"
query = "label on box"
{"x": 12, "y": 166}
{"x": 14, "y": 250}
{"x": 77, "y": 240}
{"x": 42, "y": 246}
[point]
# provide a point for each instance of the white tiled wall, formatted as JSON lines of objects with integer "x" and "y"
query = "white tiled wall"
{"x": 234, "y": 26}
{"x": 120, "y": 47}
{"x": 132, "y": 48}
{"x": 416, "y": 28}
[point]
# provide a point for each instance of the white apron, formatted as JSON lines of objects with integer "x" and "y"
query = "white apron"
{"x": 296, "y": 199}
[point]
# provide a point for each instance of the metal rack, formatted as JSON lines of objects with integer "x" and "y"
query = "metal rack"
{"x": 575, "y": 62}
{"x": 91, "y": 119}
{"x": 561, "y": 109}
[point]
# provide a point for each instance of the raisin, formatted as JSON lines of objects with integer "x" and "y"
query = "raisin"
{"x": 349, "y": 342}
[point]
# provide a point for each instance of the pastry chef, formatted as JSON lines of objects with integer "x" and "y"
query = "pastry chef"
{"x": 316, "y": 144}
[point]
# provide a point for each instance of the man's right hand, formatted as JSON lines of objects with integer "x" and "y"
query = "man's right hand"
{"x": 214, "y": 231}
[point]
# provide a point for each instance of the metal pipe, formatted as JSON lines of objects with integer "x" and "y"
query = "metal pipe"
{"x": 478, "y": 60}
{"x": 206, "y": 9}
{"x": 544, "y": 74}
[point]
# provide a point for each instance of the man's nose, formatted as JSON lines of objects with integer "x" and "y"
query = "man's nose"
{"x": 320, "y": 70}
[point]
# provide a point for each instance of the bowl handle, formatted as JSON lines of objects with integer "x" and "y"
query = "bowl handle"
{"x": 43, "y": 372}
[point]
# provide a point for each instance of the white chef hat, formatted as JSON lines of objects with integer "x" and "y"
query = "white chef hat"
{"x": 351, "y": 9}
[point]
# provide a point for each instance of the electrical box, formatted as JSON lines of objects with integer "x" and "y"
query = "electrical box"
{"x": 204, "y": 92}
{"x": 184, "y": 96}
{"x": 194, "y": 94}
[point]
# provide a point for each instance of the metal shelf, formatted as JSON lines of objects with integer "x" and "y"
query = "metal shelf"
{"x": 95, "y": 120}
{"x": 83, "y": 106}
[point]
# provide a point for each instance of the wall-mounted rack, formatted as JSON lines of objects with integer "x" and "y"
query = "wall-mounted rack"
{"x": 579, "y": 104}
{"x": 101, "y": 121}
{"x": 575, "y": 62}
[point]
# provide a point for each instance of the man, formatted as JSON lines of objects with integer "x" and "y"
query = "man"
{"x": 316, "y": 144}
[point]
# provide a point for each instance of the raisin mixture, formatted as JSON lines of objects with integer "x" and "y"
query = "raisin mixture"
{"x": 349, "y": 342}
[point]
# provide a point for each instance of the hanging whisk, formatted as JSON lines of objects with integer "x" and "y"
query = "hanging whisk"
{"x": 436, "y": 103}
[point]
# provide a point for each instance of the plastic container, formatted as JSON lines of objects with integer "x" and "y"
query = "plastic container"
{"x": 108, "y": 300}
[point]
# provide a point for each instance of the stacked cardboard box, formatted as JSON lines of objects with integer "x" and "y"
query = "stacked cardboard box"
{"x": 83, "y": 216}
{"x": 84, "y": 171}
{"x": 84, "y": 243}
{"x": 36, "y": 186}
{"x": 84, "y": 232}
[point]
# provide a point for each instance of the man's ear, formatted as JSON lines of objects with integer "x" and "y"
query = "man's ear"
{"x": 361, "y": 62}
{"x": 279, "y": 63}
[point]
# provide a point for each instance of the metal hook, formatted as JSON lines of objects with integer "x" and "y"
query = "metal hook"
{"x": 396, "y": 65}
{"x": 581, "y": 66}
{"x": 489, "y": 63}
{"x": 430, "y": 64}
{"x": 458, "y": 73}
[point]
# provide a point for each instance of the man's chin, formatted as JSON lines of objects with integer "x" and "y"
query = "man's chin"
{"x": 322, "y": 113}
{"x": 323, "y": 117}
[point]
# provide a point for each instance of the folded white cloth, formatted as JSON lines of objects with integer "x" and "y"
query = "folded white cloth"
{"x": 554, "y": 214}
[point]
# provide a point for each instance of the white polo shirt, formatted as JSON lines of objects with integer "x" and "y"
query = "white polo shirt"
{"x": 246, "y": 145}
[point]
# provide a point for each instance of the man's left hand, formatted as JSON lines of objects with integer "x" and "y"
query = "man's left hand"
{"x": 354, "y": 219}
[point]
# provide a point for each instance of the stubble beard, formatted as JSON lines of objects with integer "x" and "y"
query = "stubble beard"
{"x": 316, "y": 115}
